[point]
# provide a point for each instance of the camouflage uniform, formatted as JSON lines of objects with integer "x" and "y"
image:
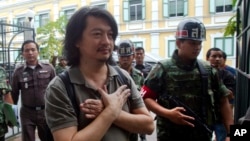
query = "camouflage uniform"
{"x": 4, "y": 89}
{"x": 184, "y": 82}
{"x": 60, "y": 68}
{"x": 126, "y": 49}
{"x": 138, "y": 78}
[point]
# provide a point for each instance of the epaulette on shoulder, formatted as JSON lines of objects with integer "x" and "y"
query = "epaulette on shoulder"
{"x": 165, "y": 63}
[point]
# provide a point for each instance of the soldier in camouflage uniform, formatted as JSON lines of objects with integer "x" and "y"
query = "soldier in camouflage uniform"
{"x": 179, "y": 77}
{"x": 5, "y": 96}
{"x": 62, "y": 65}
{"x": 126, "y": 57}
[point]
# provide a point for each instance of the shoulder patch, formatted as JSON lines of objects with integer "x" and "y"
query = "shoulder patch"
{"x": 165, "y": 63}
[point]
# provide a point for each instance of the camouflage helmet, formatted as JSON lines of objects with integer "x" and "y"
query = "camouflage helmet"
{"x": 191, "y": 29}
{"x": 125, "y": 48}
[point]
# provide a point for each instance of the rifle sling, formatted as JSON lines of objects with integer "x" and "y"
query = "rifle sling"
{"x": 204, "y": 83}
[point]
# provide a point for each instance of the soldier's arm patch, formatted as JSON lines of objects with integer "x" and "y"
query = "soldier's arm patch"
{"x": 146, "y": 92}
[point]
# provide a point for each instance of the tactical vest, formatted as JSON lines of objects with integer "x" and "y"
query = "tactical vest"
{"x": 187, "y": 87}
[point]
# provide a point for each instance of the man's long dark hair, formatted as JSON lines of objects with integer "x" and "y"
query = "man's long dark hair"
{"x": 75, "y": 27}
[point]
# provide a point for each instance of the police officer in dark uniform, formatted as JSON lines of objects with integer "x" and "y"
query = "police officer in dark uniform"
{"x": 32, "y": 79}
{"x": 144, "y": 67}
{"x": 126, "y": 57}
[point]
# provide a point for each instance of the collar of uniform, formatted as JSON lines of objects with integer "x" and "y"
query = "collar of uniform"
{"x": 25, "y": 66}
{"x": 77, "y": 78}
{"x": 134, "y": 71}
{"x": 179, "y": 63}
{"x": 140, "y": 65}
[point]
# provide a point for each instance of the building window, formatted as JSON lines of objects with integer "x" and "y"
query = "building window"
{"x": 20, "y": 21}
{"x": 138, "y": 44}
{"x": 133, "y": 10}
{"x": 3, "y": 27}
{"x": 223, "y": 5}
{"x": 68, "y": 13}
{"x": 171, "y": 47}
{"x": 103, "y": 6}
{"x": 174, "y": 8}
{"x": 226, "y": 44}
{"x": 219, "y": 6}
{"x": 3, "y": 20}
{"x": 41, "y": 20}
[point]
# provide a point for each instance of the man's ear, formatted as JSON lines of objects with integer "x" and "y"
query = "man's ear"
{"x": 178, "y": 43}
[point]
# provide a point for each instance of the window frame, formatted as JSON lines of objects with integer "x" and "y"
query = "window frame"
{"x": 224, "y": 44}
{"x": 166, "y": 8}
{"x": 68, "y": 13}
{"x": 213, "y": 6}
{"x": 136, "y": 14}
{"x": 127, "y": 11}
{"x": 138, "y": 44}
{"x": 37, "y": 19}
{"x": 43, "y": 19}
{"x": 100, "y": 5}
{"x": 169, "y": 47}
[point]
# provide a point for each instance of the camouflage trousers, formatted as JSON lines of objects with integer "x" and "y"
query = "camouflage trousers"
{"x": 3, "y": 126}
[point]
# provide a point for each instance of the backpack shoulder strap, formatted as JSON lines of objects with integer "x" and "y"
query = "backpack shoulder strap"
{"x": 70, "y": 90}
{"x": 121, "y": 77}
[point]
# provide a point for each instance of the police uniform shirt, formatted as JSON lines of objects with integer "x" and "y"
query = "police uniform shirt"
{"x": 32, "y": 82}
{"x": 144, "y": 68}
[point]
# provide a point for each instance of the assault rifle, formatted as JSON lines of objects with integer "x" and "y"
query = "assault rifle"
{"x": 198, "y": 122}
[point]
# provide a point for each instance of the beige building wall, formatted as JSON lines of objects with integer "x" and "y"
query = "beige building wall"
{"x": 154, "y": 31}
